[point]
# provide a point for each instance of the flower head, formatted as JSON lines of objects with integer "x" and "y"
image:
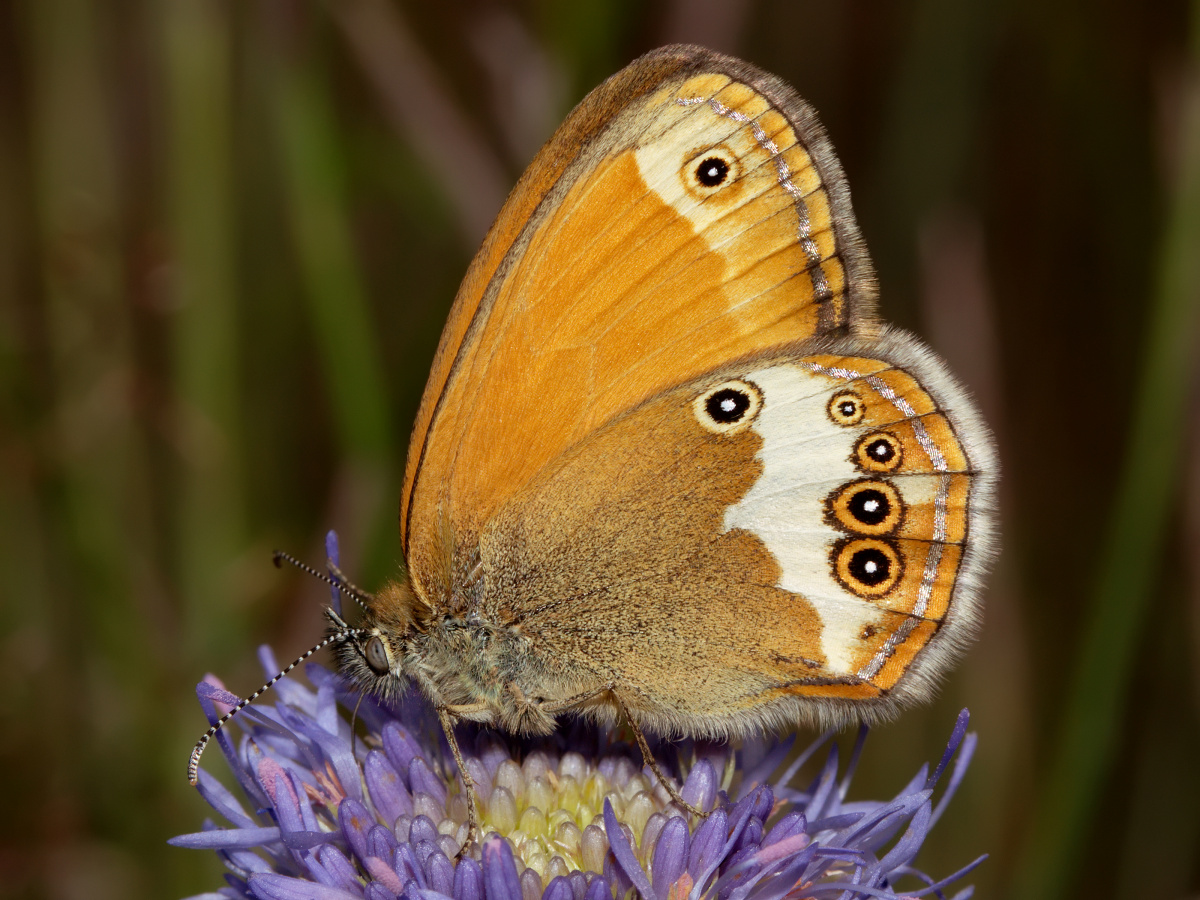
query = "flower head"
{"x": 322, "y": 814}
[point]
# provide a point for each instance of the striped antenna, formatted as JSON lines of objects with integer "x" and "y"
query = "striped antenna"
{"x": 338, "y": 582}
{"x": 340, "y": 635}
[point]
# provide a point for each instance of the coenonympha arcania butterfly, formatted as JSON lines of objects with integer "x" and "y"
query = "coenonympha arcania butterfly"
{"x": 668, "y": 467}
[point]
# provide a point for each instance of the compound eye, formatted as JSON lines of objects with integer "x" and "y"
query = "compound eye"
{"x": 728, "y": 407}
{"x": 376, "y": 655}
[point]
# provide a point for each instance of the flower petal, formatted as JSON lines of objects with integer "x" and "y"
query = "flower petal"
{"x": 700, "y": 789}
{"x": 468, "y": 880}
{"x": 440, "y": 873}
{"x": 276, "y": 783}
{"x": 340, "y": 870}
{"x": 327, "y": 711}
{"x": 400, "y": 748}
{"x": 383, "y": 874}
{"x": 335, "y": 749}
{"x": 422, "y": 830}
{"x": 385, "y": 788}
{"x": 500, "y": 880}
{"x": 956, "y": 738}
{"x": 956, "y": 776}
{"x": 823, "y": 790}
{"x": 407, "y": 867}
{"x": 670, "y": 855}
{"x": 804, "y": 757}
{"x": 376, "y": 891}
{"x": 758, "y": 760}
{"x": 910, "y": 842}
{"x": 381, "y": 842}
{"x": 481, "y": 776}
{"x": 247, "y": 861}
{"x": 598, "y": 889}
{"x": 221, "y": 838}
{"x": 626, "y": 857}
{"x": 531, "y": 885}
{"x": 877, "y": 828}
{"x": 707, "y": 843}
{"x": 740, "y": 815}
{"x": 333, "y": 554}
{"x": 782, "y": 882}
{"x": 281, "y": 887}
{"x": 792, "y": 824}
{"x": 223, "y": 801}
{"x": 751, "y": 836}
{"x": 422, "y": 779}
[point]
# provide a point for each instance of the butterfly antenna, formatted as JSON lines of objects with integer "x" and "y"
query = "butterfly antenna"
{"x": 194, "y": 762}
{"x": 359, "y": 596}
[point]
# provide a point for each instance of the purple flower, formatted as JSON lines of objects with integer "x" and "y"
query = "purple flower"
{"x": 319, "y": 813}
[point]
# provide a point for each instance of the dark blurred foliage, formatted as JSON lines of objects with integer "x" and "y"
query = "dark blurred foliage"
{"x": 229, "y": 235}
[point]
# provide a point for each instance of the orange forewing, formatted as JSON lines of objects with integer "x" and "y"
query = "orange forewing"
{"x": 560, "y": 151}
{"x": 596, "y": 290}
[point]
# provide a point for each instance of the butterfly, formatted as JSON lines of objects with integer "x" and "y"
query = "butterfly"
{"x": 668, "y": 467}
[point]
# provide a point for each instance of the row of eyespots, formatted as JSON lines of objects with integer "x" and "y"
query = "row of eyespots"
{"x": 866, "y": 564}
{"x": 879, "y": 451}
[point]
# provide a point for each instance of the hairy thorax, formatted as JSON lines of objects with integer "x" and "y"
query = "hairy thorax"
{"x": 466, "y": 659}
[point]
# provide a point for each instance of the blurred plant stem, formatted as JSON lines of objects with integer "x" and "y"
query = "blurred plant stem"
{"x": 203, "y": 234}
{"x": 83, "y": 510}
{"x": 314, "y": 183}
{"x": 87, "y": 487}
{"x": 1127, "y": 576}
{"x": 424, "y": 113}
{"x": 934, "y": 107}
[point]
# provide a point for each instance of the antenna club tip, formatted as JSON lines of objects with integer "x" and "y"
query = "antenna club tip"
{"x": 277, "y": 558}
{"x": 194, "y": 761}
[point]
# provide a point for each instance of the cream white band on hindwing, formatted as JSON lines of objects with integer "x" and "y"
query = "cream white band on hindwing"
{"x": 820, "y": 283}
{"x": 786, "y": 507}
{"x": 933, "y": 560}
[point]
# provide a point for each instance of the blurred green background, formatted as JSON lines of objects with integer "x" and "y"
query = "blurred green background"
{"x": 230, "y": 233}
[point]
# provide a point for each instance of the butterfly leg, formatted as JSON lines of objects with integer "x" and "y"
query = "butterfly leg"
{"x": 647, "y": 756}
{"x": 650, "y": 761}
{"x": 446, "y": 715}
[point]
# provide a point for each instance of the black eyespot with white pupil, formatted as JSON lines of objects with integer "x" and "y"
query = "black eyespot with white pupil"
{"x": 727, "y": 405}
{"x": 870, "y": 565}
{"x": 867, "y": 567}
{"x": 870, "y": 506}
{"x": 878, "y": 452}
{"x": 846, "y": 408}
{"x": 376, "y": 656}
{"x": 881, "y": 451}
{"x": 712, "y": 171}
